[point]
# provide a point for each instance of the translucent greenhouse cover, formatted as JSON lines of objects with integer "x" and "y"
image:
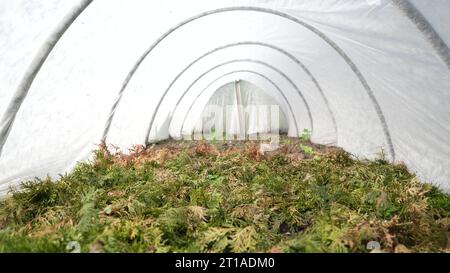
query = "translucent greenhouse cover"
{"x": 365, "y": 75}
{"x": 239, "y": 108}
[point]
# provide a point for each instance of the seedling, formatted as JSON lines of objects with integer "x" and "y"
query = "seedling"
{"x": 306, "y": 136}
{"x": 307, "y": 149}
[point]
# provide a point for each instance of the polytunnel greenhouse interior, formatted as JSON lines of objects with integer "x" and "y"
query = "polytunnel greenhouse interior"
{"x": 224, "y": 126}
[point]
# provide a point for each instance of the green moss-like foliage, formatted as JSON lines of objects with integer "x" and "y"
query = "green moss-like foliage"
{"x": 199, "y": 197}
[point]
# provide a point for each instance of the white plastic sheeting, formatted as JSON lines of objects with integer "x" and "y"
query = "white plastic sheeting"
{"x": 362, "y": 74}
{"x": 240, "y": 109}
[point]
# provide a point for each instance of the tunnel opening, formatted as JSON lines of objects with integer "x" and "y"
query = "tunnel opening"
{"x": 239, "y": 110}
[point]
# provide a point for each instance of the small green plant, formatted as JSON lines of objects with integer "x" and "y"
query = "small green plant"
{"x": 306, "y": 135}
{"x": 381, "y": 157}
{"x": 214, "y": 134}
{"x": 307, "y": 149}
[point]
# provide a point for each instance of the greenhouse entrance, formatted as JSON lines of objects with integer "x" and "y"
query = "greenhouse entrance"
{"x": 241, "y": 110}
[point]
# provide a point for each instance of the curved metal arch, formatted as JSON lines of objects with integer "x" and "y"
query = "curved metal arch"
{"x": 404, "y": 5}
{"x": 33, "y": 69}
{"x": 7, "y": 122}
{"x": 424, "y": 26}
{"x": 314, "y": 30}
{"x": 250, "y": 61}
{"x": 282, "y": 51}
{"x": 241, "y": 71}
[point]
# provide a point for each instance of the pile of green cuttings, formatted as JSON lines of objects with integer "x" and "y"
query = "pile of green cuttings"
{"x": 227, "y": 197}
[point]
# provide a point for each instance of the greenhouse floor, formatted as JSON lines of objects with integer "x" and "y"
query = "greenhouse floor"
{"x": 227, "y": 197}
